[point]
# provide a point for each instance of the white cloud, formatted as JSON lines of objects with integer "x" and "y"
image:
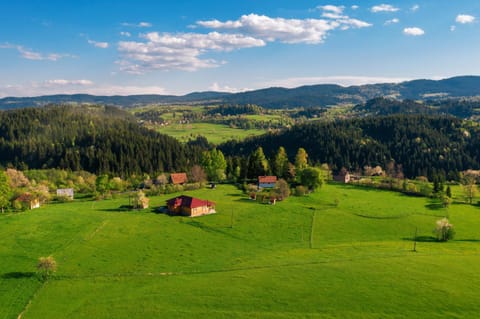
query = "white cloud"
{"x": 413, "y": 31}
{"x": 32, "y": 55}
{"x": 102, "y": 45}
{"x": 453, "y": 28}
{"x": 392, "y": 21}
{"x": 312, "y": 31}
{"x": 415, "y": 7}
{"x": 219, "y": 88}
{"x": 179, "y": 51}
{"x": 465, "y": 18}
{"x": 62, "y": 82}
{"x": 384, "y": 8}
{"x": 125, "y": 34}
{"x": 142, "y": 24}
{"x": 60, "y": 86}
{"x": 346, "y": 80}
{"x": 332, "y": 8}
{"x": 185, "y": 51}
{"x": 354, "y": 7}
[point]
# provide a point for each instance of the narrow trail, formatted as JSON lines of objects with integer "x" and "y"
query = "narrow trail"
{"x": 20, "y": 315}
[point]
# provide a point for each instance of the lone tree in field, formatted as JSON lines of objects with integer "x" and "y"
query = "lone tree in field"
{"x": 46, "y": 266}
{"x": 444, "y": 231}
{"x": 140, "y": 201}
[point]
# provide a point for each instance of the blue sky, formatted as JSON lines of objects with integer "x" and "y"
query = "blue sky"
{"x": 177, "y": 47}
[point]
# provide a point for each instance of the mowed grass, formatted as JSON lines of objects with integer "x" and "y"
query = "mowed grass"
{"x": 342, "y": 252}
{"x": 215, "y": 133}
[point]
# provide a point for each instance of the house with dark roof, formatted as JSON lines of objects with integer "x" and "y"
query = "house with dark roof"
{"x": 178, "y": 178}
{"x": 267, "y": 181}
{"x": 190, "y": 206}
{"x": 343, "y": 176}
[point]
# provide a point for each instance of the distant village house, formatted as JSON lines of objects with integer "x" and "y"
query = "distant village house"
{"x": 65, "y": 192}
{"x": 190, "y": 206}
{"x": 178, "y": 178}
{"x": 267, "y": 181}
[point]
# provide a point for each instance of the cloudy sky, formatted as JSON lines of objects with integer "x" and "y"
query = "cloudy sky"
{"x": 177, "y": 47}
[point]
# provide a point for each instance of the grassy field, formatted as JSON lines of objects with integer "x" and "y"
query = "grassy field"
{"x": 215, "y": 133}
{"x": 343, "y": 252}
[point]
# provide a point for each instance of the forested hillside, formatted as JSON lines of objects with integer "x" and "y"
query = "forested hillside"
{"x": 96, "y": 139}
{"x": 423, "y": 145}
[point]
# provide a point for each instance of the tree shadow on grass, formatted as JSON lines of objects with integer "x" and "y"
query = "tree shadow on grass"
{"x": 17, "y": 275}
{"x": 434, "y": 205}
{"x": 123, "y": 208}
{"x": 469, "y": 240}
{"x": 421, "y": 239}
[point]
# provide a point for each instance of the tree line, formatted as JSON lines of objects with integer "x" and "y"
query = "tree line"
{"x": 98, "y": 139}
{"x": 425, "y": 145}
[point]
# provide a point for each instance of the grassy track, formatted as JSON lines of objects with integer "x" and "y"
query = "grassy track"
{"x": 343, "y": 252}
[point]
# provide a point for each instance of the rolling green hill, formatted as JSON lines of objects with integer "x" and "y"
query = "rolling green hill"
{"x": 342, "y": 252}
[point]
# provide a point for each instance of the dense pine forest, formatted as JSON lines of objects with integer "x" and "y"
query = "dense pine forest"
{"x": 108, "y": 140}
{"x": 97, "y": 139}
{"x": 424, "y": 145}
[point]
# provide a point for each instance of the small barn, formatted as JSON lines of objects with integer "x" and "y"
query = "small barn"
{"x": 267, "y": 181}
{"x": 28, "y": 201}
{"x": 343, "y": 176}
{"x": 178, "y": 178}
{"x": 65, "y": 192}
{"x": 190, "y": 206}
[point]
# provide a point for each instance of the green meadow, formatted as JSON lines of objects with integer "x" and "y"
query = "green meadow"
{"x": 342, "y": 252}
{"x": 215, "y": 133}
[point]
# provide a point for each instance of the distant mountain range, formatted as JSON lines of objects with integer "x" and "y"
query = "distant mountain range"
{"x": 304, "y": 96}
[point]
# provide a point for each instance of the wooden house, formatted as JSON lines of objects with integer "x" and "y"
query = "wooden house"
{"x": 190, "y": 206}
{"x": 178, "y": 178}
{"x": 343, "y": 176}
{"x": 267, "y": 181}
{"x": 28, "y": 201}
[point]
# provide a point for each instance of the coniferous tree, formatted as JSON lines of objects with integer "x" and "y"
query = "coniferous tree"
{"x": 257, "y": 164}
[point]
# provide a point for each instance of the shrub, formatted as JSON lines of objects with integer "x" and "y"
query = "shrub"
{"x": 46, "y": 266}
{"x": 300, "y": 190}
{"x": 444, "y": 231}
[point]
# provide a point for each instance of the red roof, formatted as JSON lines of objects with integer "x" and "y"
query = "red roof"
{"x": 267, "y": 179}
{"x": 187, "y": 201}
{"x": 178, "y": 178}
{"x": 26, "y": 198}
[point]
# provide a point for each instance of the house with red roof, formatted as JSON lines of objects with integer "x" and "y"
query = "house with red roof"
{"x": 178, "y": 178}
{"x": 267, "y": 181}
{"x": 190, "y": 206}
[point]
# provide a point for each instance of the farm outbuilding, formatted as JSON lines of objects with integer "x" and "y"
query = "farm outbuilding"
{"x": 65, "y": 192}
{"x": 28, "y": 201}
{"x": 190, "y": 206}
{"x": 343, "y": 176}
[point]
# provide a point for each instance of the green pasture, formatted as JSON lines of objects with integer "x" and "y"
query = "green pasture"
{"x": 342, "y": 252}
{"x": 215, "y": 133}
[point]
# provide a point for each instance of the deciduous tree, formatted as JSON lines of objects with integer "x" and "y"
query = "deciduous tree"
{"x": 5, "y": 191}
